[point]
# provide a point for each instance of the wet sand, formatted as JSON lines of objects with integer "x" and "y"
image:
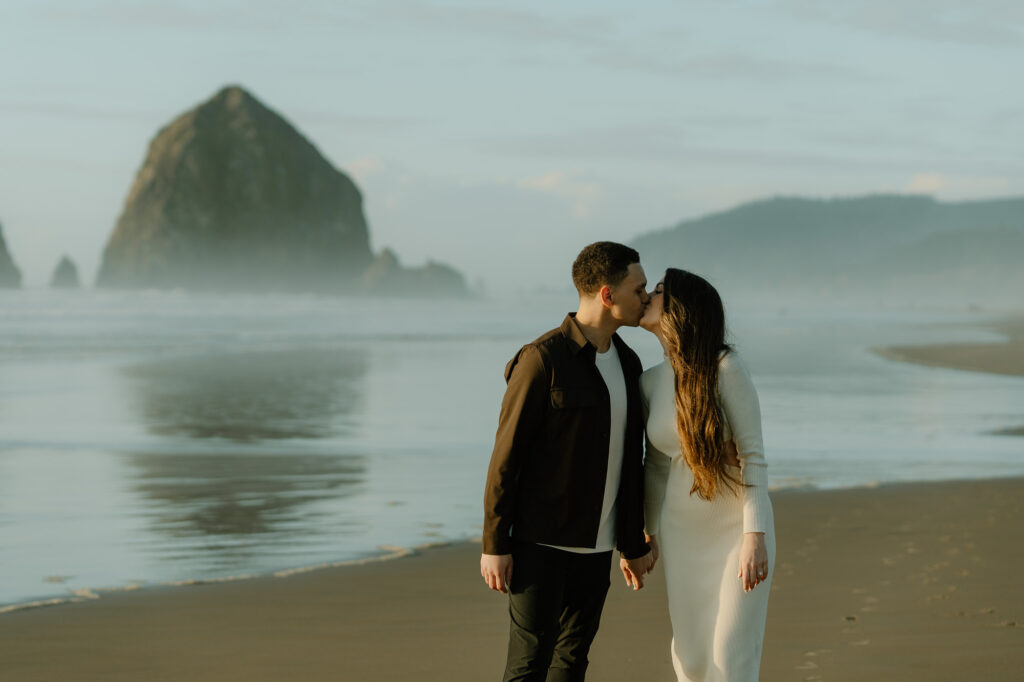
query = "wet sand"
{"x": 902, "y": 582}
{"x": 997, "y": 358}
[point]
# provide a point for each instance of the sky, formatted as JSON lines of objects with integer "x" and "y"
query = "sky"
{"x": 502, "y": 137}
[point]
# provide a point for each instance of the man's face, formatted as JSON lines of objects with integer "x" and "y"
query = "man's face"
{"x": 629, "y": 298}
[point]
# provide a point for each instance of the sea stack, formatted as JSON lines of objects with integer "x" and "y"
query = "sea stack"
{"x": 10, "y": 275}
{"x": 231, "y": 197}
{"x": 387, "y": 277}
{"x": 65, "y": 276}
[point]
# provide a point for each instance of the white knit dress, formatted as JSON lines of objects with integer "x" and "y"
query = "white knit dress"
{"x": 717, "y": 628}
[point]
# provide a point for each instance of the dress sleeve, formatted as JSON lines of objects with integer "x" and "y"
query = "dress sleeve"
{"x": 742, "y": 409}
{"x": 656, "y": 467}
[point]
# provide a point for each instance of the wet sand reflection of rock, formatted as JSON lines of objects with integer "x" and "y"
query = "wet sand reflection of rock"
{"x": 236, "y": 495}
{"x": 252, "y": 396}
{"x": 242, "y": 498}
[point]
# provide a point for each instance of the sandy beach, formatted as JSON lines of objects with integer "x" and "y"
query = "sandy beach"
{"x": 898, "y": 582}
{"x": 901, "y": 582}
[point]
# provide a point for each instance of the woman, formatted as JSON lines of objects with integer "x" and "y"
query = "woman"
{"x": 707, "y": 507}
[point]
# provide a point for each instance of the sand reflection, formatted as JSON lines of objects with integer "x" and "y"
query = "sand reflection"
{"x": 236, "y": 495}
{"x": 246, "y": 397}
{"x": 238, "y": 490}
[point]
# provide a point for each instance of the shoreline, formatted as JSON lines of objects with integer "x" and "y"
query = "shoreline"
{"x": 1004, "y": 357}
{"x": 387, "y": 553}
{"x": 910, "y": 581}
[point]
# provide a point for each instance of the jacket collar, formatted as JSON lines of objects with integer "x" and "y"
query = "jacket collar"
{"x": 574, "y": 335}
{"x": 579, "y": 343}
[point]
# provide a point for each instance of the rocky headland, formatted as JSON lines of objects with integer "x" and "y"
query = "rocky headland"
{"x": 885, "y": 247}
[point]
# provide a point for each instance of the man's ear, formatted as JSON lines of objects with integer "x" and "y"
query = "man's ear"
{"x": 606, "y": 296}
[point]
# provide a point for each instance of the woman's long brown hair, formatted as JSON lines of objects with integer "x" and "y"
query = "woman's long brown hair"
{"x": 693, "y": 324}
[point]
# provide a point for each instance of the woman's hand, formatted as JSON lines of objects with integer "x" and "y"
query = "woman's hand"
{"x": 753, "y": 561}
{"x": 655, "y": 550}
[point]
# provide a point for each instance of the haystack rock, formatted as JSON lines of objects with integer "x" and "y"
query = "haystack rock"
{"x": 65, "y": 276}
{"x": 232, "y": 197}
{"x": 10, "y": 275}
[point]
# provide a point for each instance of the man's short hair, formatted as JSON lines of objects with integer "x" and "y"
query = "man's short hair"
{"x": 602, "y": 263}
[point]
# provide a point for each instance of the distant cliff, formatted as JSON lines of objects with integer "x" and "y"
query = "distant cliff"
{"x": 232, "y": 197}
{"x": 876, "y": 245}
{"x": 10, "y": 275}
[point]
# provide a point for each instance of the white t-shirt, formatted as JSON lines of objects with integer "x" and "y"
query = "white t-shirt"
{"x": 610, "y": 367}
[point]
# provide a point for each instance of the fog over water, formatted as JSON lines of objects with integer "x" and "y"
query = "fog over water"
{"x": 148, "y": 437}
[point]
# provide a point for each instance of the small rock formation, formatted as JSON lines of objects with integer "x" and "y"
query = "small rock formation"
{"x": 232, "y": 197}
{"x": 387, "y": 277}
{"x": 10, "y": 275}
{"x": 65, "y": 276}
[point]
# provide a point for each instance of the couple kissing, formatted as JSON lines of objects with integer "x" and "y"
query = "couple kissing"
{"x": 594, "y": 454}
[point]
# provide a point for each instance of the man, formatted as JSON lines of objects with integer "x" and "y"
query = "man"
{"x": 565, "y": 483}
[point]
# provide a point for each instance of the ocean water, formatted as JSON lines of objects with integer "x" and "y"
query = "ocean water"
{"x": 152, "y": 438}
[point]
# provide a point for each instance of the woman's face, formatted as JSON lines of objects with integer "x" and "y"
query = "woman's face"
{"x": 651, "y": 321}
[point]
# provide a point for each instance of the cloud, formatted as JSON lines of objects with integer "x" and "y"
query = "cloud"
{"x": 365, "y": 167}
{"x": 582, "y": 195}
{"x": 980, "y": 22}
{"x": 75, "y": 110}
{"x": 951, "y": 186}
{"x": 681, "y": 145}
{"x": 249, "y": 16}
{"x": 729, "y": 65}
{"x": 499, "y": 21}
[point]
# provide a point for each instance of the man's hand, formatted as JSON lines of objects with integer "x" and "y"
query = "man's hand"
{"x": 634, "y": 570}
{"x": 497, "y": 571}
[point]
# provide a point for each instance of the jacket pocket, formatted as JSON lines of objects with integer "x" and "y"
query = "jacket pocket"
{"x": 568, "y": 398}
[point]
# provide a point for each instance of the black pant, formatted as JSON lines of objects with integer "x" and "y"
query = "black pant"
{"x": 555, "y": 601}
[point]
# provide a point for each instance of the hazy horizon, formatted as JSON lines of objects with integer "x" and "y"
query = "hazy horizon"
{"x": 478, "y": 131}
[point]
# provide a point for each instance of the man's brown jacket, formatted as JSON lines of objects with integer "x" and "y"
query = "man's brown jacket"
{"x": 545, "y": 483}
